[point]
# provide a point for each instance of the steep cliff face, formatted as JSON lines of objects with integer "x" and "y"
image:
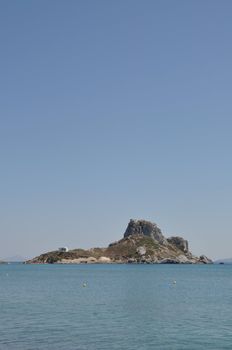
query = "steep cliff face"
{"x": 145, "y": 228}
{"x": 143, "y": 242}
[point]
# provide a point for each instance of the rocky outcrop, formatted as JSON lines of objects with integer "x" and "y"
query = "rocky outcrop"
{"x": 141, "y": 250}
{"x": 169, "y": 261}
{"x": 180, "y": 243}
{"x": 204, "y": 260}
{"x": 143, "y": 243}
{"x": 145, "y": 228}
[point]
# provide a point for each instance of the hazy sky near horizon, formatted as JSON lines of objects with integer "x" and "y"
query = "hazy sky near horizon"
{"x": 111, "y": 110}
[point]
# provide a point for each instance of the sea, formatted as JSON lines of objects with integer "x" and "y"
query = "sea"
{"x": 115, "y": 307}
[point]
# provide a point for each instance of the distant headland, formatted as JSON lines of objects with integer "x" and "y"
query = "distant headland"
{"x": 143, "y": 242}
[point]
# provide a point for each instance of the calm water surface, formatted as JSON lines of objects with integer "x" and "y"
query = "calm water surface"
{"x": 122, "y": 307}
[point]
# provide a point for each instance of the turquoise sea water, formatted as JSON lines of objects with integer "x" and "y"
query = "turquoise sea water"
{"x": 121, "y": 307}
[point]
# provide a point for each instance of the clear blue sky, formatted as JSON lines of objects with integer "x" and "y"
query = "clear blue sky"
{"x": 111, "y": 110}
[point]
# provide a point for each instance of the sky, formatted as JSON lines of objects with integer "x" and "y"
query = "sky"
{"x": 112, "y": 110}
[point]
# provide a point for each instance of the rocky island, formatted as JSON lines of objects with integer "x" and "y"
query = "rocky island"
{"x": 143, "y": 242}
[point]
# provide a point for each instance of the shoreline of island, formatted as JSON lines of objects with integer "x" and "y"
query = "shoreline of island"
{"x": 142, "y": 243}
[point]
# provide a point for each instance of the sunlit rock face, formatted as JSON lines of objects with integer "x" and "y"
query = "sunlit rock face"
{"x": 146, "y": 228}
